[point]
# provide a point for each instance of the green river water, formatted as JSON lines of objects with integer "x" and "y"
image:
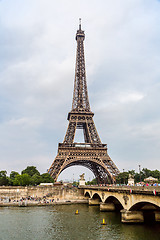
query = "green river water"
{"x": 60, "y": 222}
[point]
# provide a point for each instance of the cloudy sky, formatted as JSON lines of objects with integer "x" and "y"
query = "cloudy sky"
{"x": 37, "y": 61}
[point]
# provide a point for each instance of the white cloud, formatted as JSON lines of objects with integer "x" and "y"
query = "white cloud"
{"x": 130, "y": 97}
{"x": 25, "y": 122}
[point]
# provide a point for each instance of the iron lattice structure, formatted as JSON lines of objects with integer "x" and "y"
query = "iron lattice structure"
{"x": 92, "y": 153}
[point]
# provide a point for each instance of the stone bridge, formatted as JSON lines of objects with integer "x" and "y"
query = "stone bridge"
{"x": 137, "y": 204}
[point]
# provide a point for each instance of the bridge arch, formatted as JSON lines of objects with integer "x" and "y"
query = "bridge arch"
{"x": 149, "y": 211}
{"x": 87, "y": 195}
{"x": 114, "y": 200}
{"x": 97, "y": 197}
{"x": 144, "y": 206}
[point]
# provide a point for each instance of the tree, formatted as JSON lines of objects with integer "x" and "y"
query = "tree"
{"x": 131, "y": 172}
{"x": 10, "y": 182}
{"x": 46, "y": 178}
{"x": 122, "y": 178}
{"x": 13, "y": 174}
{"x": 155, "y": 174}
{"x": 93, "y": 182}
{"x": 22, "y": 180}
{"x": 3, "y": 178}
{"x": 137, "y": 177}
{"x": 145, "y": 173}
{"x": 30, "y": 170}
{"x": 36, "y": 179}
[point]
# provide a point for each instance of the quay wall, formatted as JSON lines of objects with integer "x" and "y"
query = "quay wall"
{"x": 60, "y": 192}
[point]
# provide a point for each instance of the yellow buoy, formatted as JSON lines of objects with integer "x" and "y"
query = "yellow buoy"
{"x": 77, "y": 212}
{"x": 104, "y": 222}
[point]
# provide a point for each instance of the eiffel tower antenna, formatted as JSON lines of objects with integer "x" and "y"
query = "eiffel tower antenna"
{"x": 92, "y": 153}
{"x": 79, "y": 23}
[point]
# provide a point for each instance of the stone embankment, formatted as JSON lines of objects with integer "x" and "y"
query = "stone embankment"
{"x": 40, "y": 195}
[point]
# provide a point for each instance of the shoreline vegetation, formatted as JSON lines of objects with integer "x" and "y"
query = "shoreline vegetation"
{"x": 32, "y": 177}
{"x": 28, "y": 177}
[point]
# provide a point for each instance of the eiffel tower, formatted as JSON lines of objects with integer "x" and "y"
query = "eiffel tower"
{"x": 91, "y": 154}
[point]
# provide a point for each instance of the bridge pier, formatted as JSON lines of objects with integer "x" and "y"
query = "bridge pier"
{"x": 93, "y": 202}
{"x": 131, "y": 216}
{"x": 157, "y": 216}
{"x": 107, "y": 207}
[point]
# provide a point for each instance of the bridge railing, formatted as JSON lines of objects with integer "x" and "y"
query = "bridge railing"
{"x": 131, "y": 189}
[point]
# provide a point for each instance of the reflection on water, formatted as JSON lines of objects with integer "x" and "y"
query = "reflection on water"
{"x": 60, "y": 222}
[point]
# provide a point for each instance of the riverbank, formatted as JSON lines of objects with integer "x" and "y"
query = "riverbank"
{"x": 40, "y": 204}
{"x": 13, "y": 194}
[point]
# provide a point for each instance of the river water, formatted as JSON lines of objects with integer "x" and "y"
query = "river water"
{"x": 60, "y": 222}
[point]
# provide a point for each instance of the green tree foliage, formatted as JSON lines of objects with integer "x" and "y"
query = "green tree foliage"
{"x": 156, "y": 174}
{"x": 36, "y": 179}
{"x": 29, "y": 176}
{"x": 46, "y": 178}
{"x": 138, "y": 177}
{"x": 3, "y": 178}
{"x": 122, "y": 178}
{"x": 22, "y": 180}
{"x": 30, "y": 170}
{"x": 145, "y": 173}
{"x": 131, "y": 172}
{"x": 13, "y": 174}
{"x": 93, "y": 182}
